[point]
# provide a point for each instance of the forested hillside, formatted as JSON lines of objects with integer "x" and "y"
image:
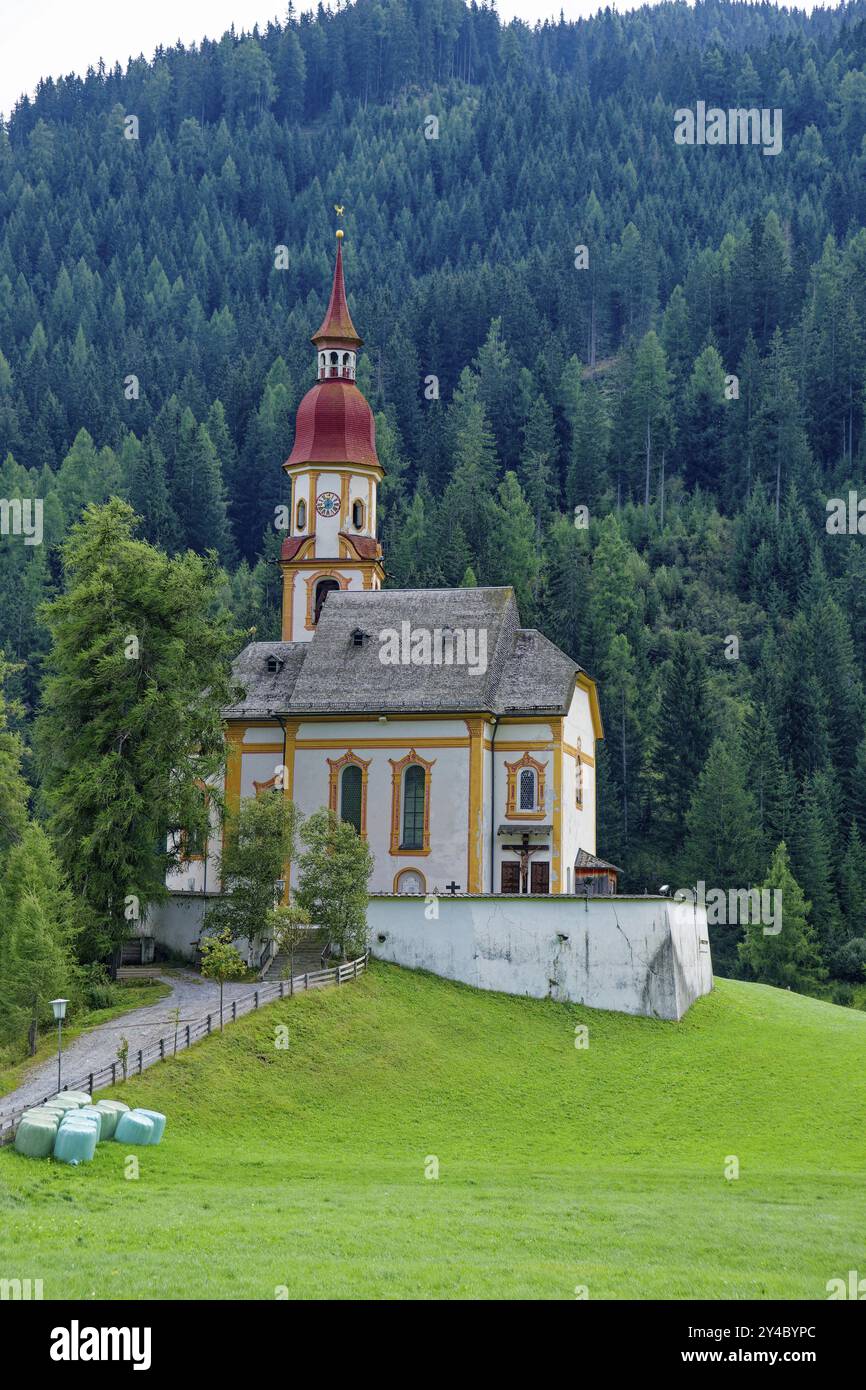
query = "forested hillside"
{"x": 726, "y": 625}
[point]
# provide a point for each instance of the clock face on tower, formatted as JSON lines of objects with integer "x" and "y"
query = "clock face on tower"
{"x": 327, "y": 504}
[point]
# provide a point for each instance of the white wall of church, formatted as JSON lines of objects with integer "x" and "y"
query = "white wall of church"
{"x": 633, "y": 955}
{"x": 380, "y": 744}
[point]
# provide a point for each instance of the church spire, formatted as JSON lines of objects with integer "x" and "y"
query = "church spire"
{"x": 338, "y": 330}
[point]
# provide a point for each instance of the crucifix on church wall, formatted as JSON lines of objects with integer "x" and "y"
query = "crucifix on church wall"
{"x": 525, "y": 852}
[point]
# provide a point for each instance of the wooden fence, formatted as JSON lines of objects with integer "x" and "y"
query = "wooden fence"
{"x": 188, "y": 1033}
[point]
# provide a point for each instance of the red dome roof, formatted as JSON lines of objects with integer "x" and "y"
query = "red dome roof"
{"x": 334, "y": 425}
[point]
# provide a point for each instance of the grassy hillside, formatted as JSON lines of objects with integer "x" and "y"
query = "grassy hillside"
{"x": 558, "y": 1167}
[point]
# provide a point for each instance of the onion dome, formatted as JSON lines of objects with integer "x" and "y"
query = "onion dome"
{"x": 334, "y": 422}
{"x": 334, "y": 425}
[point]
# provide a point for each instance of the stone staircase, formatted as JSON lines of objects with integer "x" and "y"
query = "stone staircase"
{"x": 307, "y": 958}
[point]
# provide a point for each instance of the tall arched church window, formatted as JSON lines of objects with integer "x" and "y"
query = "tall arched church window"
{"x": 347, "y": 789}
{"x": 301, "y": 515}
{"x": 358, "y": 515}
{"x": 350, "y": 796}
{"x": 413, "y": 808}
{"x": 410, "y": 804}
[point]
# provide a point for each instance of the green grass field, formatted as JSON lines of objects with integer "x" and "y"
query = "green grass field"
{"x": 601, "y": 1167}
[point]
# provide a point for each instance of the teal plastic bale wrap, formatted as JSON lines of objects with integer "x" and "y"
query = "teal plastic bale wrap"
{"x": 75, "y": 1143}
{"x": 44, "y": 1112}
{"x": 79, "y": 1097}
{"x": 63, "y": 1102}
{"x": 134, "y": 1128}
{"x": 92, "y": 1112}
{"x": 158, "y": 1122}
{"x": 35, "y": 1136}
{"x": 111, "y": 1111}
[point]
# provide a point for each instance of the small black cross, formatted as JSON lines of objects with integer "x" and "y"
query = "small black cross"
{"x": 453, "y": 887}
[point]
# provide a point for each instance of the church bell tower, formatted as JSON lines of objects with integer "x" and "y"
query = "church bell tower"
{"x": 334, "y": 472}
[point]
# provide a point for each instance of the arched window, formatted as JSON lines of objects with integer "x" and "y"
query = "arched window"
{"x": 301, "y": 515}
{"x": 335, "y": 358}
{"x": 410, "y": 881}
{"x": 323, "y": 588}
{"x": 527, "y": 790}
{"x": 322, "y": 363}
{"x": 358, "y": 515}
{"x": 350, "y": 796}
{"x": 413, "y": 808}
{"x": 347, "y": 364}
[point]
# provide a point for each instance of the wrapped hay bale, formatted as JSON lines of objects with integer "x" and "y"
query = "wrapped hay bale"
{"x": 75, "y": 1142}
{"x": 92, "y": 1112}
{"x": 63, "y": 1102}
{"x": 79, "y": 1097}
{"x": 111, "y": 1111}
{"x": 35, "y": 1135}
{"x": 158, "y": 1122}
{"x": 134, "y": 1128}
{"x": 44, "y": 1112}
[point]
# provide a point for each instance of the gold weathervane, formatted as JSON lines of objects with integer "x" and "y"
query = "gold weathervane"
{"x": 338, "y": 209}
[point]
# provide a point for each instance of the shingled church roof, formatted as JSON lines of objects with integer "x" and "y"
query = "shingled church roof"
{"x": 339, "y": 671}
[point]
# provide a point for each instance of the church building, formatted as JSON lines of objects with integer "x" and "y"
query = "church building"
{"x": 461, "y": 745}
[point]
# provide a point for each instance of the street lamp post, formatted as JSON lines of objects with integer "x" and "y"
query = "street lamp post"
{"x": 59, "y": 1007}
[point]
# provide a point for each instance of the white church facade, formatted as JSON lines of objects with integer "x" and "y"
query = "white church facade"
{"x": 459, "y": 744}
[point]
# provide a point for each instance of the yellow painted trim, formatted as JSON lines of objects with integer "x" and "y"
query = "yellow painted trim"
{"x": 381, "y": 743}
{"x": 584, "y": 682}
{"x": 557, "y": 882}
{"x": 398, "y": 768}
{"x": 511, "y": 805}
{"x": 336, "y": 767}
{"x": 288, "y": 596}
{"x": 370, "y": 470}
{"x": 518, "y": 745}
{"x": 261, "y": 748}
{"x": 345, "y": 479}
{"x": 475, "y": 854}
{"x": 407, "y": 869}
{"x": 311, "y": 582}
{"x": 314, "y": 480}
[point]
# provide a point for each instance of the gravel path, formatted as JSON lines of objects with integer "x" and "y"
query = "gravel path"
{"x": 97, "y": 1048}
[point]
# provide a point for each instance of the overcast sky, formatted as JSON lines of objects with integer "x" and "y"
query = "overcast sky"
{"x": 49, "y": 38}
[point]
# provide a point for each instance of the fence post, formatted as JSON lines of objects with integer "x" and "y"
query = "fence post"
{"x": 282, "y": 991}
{"x": 336, "y": 974}
{"x": 187, "y": 1035}
{"x": 91, "y": 1084}
{"x": 140, "y": 1067}
{"x": 306, "y": 979}
{"x": 355, "y": 967}
{"x": 256, "y": 1005}
{"x": 208, "y": 1024}
{"x": 234, "y": 1011}
{"x": 114, "y": 1073}
{"x": 162, "y": 1049}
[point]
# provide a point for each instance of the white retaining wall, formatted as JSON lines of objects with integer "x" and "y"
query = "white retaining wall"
{"x": 634, "y": 955}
